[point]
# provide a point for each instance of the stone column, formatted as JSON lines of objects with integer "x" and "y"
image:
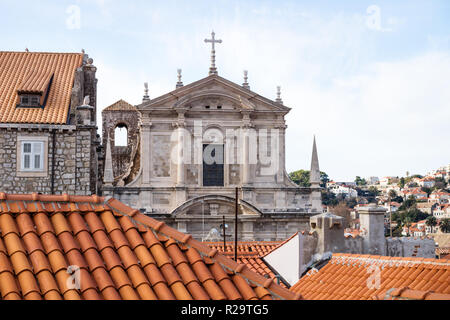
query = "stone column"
{"x": 245, "y": 131}
{"x": 181, "y": 145}
{"x": 281, "y": 151}
{"x": 146, "y": 156}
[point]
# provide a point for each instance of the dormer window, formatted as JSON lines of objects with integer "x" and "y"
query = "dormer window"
{"x": 29, "y": 100}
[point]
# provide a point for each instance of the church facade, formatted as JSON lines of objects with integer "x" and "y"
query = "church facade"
{"x": 188, "y": 151}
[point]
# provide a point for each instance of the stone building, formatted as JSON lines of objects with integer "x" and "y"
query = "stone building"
{"x": 194, "y": 146}
{"x": 48, "y": 133}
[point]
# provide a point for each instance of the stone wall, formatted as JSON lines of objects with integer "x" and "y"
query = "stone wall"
{"x": 72, "y": 166}
{"x": 410, "y": 247}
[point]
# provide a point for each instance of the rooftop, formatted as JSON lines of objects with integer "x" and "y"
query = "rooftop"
{"x": 353, "y": 277}
{"x": 34, "y": 72}
{"x": 121, "y": 254}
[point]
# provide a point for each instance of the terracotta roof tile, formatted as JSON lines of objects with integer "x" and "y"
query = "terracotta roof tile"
{"x": 347, "y": 276}
{"x": 118, "y": 256}
{"x": 31, "y": 72}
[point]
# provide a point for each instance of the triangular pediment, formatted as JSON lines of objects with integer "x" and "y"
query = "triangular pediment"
{"x": 214, "y": 89}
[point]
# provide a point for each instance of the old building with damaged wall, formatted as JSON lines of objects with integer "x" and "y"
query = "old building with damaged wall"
{"x": 121, "y": 118}
{"x": 48, "y": 133}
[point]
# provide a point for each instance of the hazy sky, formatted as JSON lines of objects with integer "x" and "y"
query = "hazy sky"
{"x": 371, "y": 79}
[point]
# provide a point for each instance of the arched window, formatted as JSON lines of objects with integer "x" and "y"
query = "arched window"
{"x": 121, "y": 136}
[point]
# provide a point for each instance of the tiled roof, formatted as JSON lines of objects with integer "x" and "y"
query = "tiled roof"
{"x": 121, "y": 254}
{"x": 31, "y": 72}
{"x": 408, "y": 294}
{"x": 350, "y": 276}
{"x": 120, "y": 105}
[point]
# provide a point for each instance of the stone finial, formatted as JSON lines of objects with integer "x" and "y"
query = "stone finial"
{"x": 82, "y": 51}
{"x": 314, "y": 174}
{"x": 26, "y": 50}
{"x": 279, "y": 95}
{"x": 108, "y": 176}
{"x": 179, "y": 83}
{"x": 245, "y": 84}
{"x": 146, "y": 96}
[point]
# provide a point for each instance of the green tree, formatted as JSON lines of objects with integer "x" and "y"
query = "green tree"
{"x": 360, "y": 182}
{"x": 427, "y": 190}
{"x": 431, "y": 221}
{"x": 402, "y": 182}
{"x": 301, "y": 177}
{"x": 392, "y": 194}
{"x": 374, "y": 191}
{"x": 445, "y": 225}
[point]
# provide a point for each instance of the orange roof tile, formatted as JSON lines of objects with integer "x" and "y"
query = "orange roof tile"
{"x": 352, "y": 276}
{"x": 251, "y": 254}
{"x": 409, "y": 294}
{"x": 119, "y": 252}
{"x": 31, "y": 72}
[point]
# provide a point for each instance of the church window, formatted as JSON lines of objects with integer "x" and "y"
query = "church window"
{"x": 213, "y": 158}
{"x": 121, "y": 136}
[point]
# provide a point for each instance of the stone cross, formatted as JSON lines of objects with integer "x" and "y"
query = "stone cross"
{"x": 213, "y": 41}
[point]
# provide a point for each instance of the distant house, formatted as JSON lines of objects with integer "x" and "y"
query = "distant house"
{"x": 442, "y": 211}
{"x": 425, "y": 207}
{"x": 344, "y": 190}
{"x": 417, "y": 193}
{"x": 427, "y": 182}
{"x": 439, "y": 197}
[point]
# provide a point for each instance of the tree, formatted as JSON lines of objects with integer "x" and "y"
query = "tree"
{"x": 301, "y": 177}
{"x": 427, "y": 190}
{"x": 360, "y": 182}
{"x": 343, "y": 211}
{"x": 402, "y": 182}
{"x": 392, "y": 194}
{"x": 431, "y": 222}
{"x": 374, "y": 191}
{"x": 445, "y": 225}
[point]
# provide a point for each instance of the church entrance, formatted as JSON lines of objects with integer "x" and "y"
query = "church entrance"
{"x": 213, "y": 165}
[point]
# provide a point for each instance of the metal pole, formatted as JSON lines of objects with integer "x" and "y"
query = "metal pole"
{"x": 390, "y": 217}
{"x": 224, "y": 236}
{"x": 236, "y": 225}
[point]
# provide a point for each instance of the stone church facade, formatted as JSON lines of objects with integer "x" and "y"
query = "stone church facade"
{"x": 189, "y": 150}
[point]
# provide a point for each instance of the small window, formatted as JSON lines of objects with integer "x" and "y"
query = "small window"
{"x": 27, "y": 100}
{"x": 32, "y": 156}
{"x": 206, "y": 107}
{"x": 219, "y": 107}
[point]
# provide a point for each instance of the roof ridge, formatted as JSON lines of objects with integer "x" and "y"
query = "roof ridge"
{"x": 343, "y": 257}
{"x": 186, "y": 239}
{"x": 40, "y": 52}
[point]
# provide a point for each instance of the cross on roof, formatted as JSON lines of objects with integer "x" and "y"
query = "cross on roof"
{"x": 213, "y": 41}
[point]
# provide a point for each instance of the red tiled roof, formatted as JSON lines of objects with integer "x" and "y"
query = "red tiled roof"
{"x": 408, "y": 294}
{"x": 31, "y": 72}
{"x": 121, "y": 254}
{"x": 349, "y": 276}
{"x": 249, "y": 253}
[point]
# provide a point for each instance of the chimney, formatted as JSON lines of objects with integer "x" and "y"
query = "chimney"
{"x": 330, "y": 231}
{"x": 372, "y": 229}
